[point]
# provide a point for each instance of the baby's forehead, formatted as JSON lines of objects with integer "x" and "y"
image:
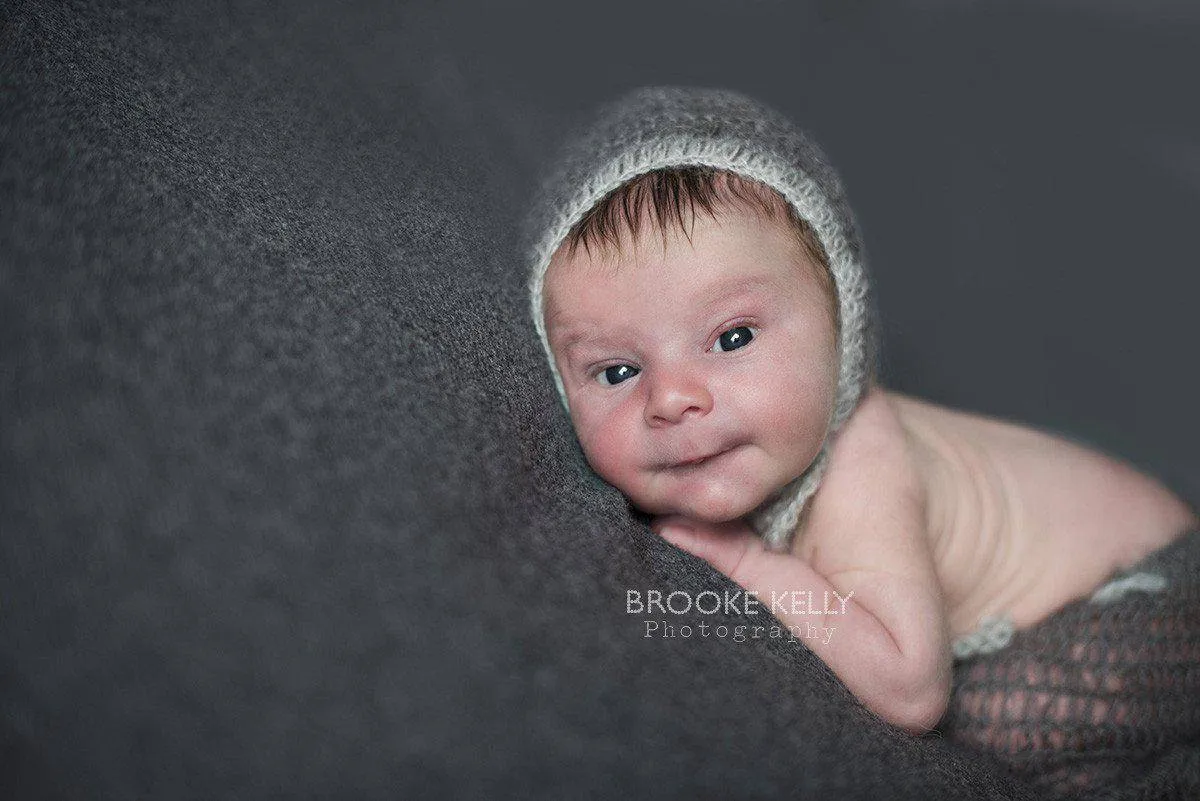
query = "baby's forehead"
{"x": 699, "y": 279}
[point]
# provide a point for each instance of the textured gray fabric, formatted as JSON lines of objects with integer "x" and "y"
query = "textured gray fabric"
{"x": 289, "y": 506}
{"x": 283, "y": 515}
{"x": 670, "y": 126}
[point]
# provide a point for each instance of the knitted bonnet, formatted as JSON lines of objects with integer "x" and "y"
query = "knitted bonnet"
{"x": 656, "y": 127}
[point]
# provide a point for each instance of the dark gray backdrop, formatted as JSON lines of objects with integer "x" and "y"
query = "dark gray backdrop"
{"x": 288, "y": 504}
{"x": 1027, "y": 175}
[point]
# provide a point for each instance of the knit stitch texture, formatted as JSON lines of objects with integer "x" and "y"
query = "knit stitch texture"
{"x": 1083, "y": 704}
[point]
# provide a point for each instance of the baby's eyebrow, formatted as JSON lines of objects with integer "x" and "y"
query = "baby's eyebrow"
{"x": 580, "y": 336}
{"x": 724, "y": 291}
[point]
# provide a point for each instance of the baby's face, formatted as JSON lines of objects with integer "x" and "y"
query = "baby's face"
{"x": 701, "y": 379}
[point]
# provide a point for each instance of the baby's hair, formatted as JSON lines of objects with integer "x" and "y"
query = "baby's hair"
{"x": 664, "y": 195}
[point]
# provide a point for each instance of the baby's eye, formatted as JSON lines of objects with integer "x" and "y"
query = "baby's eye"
{"x": 610, "y": 376}
{"x": 734, "y": 338}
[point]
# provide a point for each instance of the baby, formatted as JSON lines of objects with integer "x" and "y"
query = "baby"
{"x": 698, "y": 284}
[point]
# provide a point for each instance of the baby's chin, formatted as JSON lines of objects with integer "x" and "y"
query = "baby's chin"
{"x": 710, "y": 505}
{"x": 718, "y": 494}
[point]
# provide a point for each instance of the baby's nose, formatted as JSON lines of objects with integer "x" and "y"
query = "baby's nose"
{"x": 674, "y": 399}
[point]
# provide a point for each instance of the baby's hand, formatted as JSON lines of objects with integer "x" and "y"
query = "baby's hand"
{"x": 710, "y": 541}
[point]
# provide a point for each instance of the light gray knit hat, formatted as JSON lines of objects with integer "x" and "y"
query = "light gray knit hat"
{"x": 656, "y": 127}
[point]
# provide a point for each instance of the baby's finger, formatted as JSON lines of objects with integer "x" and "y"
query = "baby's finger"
{"x": 732, "y": 549}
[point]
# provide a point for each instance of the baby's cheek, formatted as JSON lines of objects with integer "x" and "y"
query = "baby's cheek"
{"x": 788, "y": 394}
{"x": 814, "y": 401}
{"x": 608, "y": 451}
{"x": 798, "y": 411}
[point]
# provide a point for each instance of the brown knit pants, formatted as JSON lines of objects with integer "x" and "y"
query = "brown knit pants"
{"x": 1092, "y": 698}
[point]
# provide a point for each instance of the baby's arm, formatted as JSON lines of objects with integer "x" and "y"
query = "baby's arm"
{"x": 865, "y": 535}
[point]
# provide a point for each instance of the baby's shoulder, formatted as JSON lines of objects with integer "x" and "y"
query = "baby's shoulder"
{"x": 871, "y": 483}
{"x": 872, "y": 439}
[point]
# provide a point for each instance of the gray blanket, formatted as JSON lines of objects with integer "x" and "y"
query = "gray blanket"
{"x": 274, "y": 521}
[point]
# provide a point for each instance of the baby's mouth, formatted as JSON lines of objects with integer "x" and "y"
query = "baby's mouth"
{"x": 703, "y": 460}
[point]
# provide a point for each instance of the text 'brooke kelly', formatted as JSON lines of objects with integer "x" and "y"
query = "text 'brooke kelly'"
{"x": 736, "y": 602}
